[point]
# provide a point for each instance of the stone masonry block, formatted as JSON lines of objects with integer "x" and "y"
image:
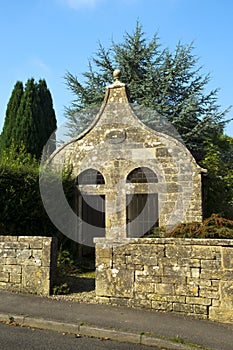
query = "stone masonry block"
{"x": 228, "y": 258}
{"x": 175, "y": 250}
{"x": 15, "y": 278}
{"x": 46, "y": 254}
{"x": 191, "y": 289}
{"x": 226, "y": 288}
{"x": 4, "y": 276}
{"x": 161, "y": 306}
{"x": 139, "y": 303}
{"x": 11, "y": 261}
{"x": 5, "y": 239}
{"x": 211, "y": 265}
{"x": 195, "y": 272}
{"x": 204, "y": 252}
{"x": 209, "y": 294}
{"x": 104, "y": 252}
{"x": 221, "y": 314}
{"x": 123, "y": 281}
{"x": 103, "y": 285}
{"x": 144, "y": 287}
{"x": 198, "y": 301}
{"x": 12, "y": 268}
{"x": 14, "y": 245}
{"x": 23, "y": 254}
{"x": 36, "y": 279}
{"x": 184, "y": 308}
{"x": 37, "y": 242}
{"x": 8, "y": 253}
{"x": 164, "y": 288}
{"x": 200, "y": 309}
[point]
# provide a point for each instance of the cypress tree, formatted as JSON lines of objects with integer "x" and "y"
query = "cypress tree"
{"x": 9, "y": 129}
{"x": 48, "y": 121}
{"x": 27, "y": 119}
{"x": 30, "y": 118}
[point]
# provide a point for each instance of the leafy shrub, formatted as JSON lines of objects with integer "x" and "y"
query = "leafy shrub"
{"x": 21, "y": 208}
{"x": 213, "y": 227}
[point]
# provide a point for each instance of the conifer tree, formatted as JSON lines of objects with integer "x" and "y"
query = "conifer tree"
{"x": 48, "y": 118}
{"x": 33, "y": 121}
{"x": 9, "y": 129}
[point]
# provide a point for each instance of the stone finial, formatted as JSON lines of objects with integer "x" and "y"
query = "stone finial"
{"x": 117, "y": 82}
{"x": 116, "y": 74}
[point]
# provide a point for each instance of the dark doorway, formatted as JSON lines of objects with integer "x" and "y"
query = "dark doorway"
{"x": 142, "y": 208}
{"x": 141, "y": 214}
{"x": 93, "y": 210}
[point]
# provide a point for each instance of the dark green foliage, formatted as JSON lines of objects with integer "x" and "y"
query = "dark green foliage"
{"x": 21, "y": 207}
{"x": 30, "y": 118}
{"x": 218, "y": 182}
{"x": 9, "y": 129}
{"x": 48, "y": 122}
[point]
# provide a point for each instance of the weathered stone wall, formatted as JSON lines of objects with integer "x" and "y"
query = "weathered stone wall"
{"x": 27, "y": 264}
{"x": 189, "y": 276}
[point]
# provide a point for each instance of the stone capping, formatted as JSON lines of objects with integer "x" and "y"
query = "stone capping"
{"x": 177, "y": 241}
{"x": 187, "y": 276}
{"x": 27, "y": 263}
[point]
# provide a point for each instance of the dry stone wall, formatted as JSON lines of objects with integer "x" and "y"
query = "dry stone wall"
{"x": 188, "y": 276}
{"x": 27, "y": 264}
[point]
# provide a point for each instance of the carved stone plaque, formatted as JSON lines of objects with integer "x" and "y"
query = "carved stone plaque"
{"x": 115, "y": 136}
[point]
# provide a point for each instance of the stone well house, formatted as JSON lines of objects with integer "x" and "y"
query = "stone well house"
{"x": 129, "y": 178}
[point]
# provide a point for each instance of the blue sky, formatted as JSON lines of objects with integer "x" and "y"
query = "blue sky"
{"x": 47, "y": 38}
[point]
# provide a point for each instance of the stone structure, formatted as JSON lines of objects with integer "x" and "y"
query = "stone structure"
{"x": 27, "y": 264}
{"x": 188, "y": 276}
{"x": 130, "y": 178}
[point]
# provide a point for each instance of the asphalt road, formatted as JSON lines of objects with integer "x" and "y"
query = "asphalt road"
{"x": 22, "y": 338}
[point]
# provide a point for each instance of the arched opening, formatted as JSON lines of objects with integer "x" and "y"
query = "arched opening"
{"x": 142, "y": 175}
{"x": 90, "y": 207}
{"x": 90, "y": 177}
{"x": 142, "y": 205}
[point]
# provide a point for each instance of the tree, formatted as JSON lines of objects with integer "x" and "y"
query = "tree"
{"x": 218, "y": 183}
{"x": 171, "y": 84}
{"x": 9, "y": 129}
{"x": 30, "y": 118}
{"x": 48, "y": 117}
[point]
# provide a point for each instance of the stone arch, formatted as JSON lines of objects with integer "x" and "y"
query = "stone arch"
{"x": 90, "y": 177}
{"x": 142, "y": 175}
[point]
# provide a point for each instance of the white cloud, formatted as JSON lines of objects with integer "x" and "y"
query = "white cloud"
{"x": 77, "y": 4}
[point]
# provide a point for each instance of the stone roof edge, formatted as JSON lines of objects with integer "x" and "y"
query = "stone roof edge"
{"x": 83, "y": 133}
{"x": 165, "y": 136}
{"x": 118, "y": 84}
